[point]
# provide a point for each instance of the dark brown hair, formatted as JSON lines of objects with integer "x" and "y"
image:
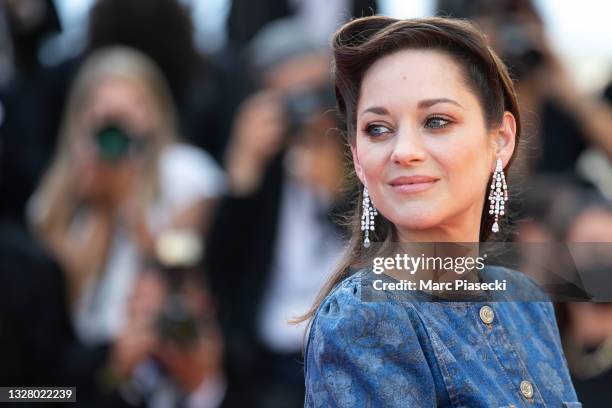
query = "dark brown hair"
{"x": 361, "y": 42}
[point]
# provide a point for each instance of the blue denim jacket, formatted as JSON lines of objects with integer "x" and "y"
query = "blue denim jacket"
{"x": 398, "y": 353}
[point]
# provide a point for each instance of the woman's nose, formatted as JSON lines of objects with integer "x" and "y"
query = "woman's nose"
{"x": 408, "y": 148}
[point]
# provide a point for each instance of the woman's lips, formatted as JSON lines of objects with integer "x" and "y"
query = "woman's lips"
{"x": 412, "y": 184}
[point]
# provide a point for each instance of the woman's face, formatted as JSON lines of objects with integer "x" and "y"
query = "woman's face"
{"x": 117, "y": 103}
{"x": 120, "y": 101}
{"x": 423, "y": 148}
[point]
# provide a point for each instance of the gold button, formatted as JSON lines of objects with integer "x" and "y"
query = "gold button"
{"x": 486, "y": 314}
{"x": 526, "y": 389}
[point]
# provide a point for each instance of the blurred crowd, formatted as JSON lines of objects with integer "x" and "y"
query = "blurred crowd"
{"x": 164, "y": 213}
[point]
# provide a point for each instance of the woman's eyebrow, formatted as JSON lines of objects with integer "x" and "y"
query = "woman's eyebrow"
{"x": 379, "y": 110}
{"x": 427, "y": 103}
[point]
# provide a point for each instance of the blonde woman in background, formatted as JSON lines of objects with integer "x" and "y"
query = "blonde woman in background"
{"x": 118, "y": 179}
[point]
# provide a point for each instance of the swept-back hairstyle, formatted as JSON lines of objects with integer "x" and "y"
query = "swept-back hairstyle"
{"x": 360, "y": 43}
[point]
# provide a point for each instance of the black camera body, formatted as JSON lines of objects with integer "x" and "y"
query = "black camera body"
{"x": 302, "y": 105}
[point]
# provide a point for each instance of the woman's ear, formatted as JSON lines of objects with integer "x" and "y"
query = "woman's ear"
{"x": 356, "y": 163}
{"x": 505, "y": 139}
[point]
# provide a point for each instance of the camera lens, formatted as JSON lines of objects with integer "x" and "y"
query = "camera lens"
{"x": 113, "y": 143}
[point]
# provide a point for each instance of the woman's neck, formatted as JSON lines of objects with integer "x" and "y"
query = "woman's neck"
{"x": 439, "y": 234}
{"x": 464, "y": 227}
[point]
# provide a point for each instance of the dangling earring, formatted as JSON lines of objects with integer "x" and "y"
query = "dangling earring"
{"x": 496, "y": 196}
{"x": 367, "y": 217}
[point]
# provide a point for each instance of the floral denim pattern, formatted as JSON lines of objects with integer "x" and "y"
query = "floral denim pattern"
{"x": 400, "y": 353}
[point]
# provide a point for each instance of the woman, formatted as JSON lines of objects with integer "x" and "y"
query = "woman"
{"x": 119, "y": 179}
{"x": 432, "y": 121}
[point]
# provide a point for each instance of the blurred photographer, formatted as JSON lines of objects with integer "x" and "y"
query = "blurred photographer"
{"x": 273, "y": 241}
{"x": 170, "y": 305}
{"x": 294, "y": 86}
{"x": 119, "y": 178}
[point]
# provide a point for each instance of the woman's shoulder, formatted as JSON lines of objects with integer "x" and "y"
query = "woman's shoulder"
{"x": 347, "y": 313}
{"x": 350, "y": 297}
{"x": 356, "y": 346}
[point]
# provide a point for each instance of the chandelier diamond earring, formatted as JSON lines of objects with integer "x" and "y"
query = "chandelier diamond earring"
{"x": 367, "y": 217}
{"x": 498, "y": 194}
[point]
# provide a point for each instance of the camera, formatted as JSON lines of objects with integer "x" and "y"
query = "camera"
{"x": 518, "y": 50}
{"x": 300, "y": 106}
{"x": 178, "y": 254}
{"x": 115, "y": 143}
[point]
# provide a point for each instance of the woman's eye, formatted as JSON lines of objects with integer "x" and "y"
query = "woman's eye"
{"x": 377, "y": 130}
{"x": 436, "y": 122}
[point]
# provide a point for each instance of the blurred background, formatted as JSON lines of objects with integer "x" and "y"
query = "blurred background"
{"x": 172, "y": 176}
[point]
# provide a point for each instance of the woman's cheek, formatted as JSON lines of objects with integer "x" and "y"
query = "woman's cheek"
{"x": 462, "y": 165}
{"x": 372, "y": 163}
